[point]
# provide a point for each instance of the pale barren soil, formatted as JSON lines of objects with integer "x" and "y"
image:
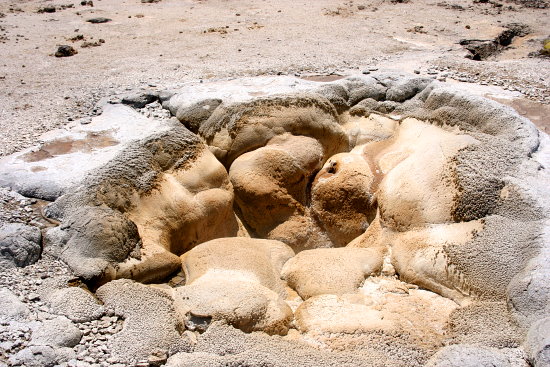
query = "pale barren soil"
{"x": 166, "y": 43}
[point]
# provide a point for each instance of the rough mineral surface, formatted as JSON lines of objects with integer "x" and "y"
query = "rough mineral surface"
{"x": 382, "y": 219}
{"x": 19, "y": 245}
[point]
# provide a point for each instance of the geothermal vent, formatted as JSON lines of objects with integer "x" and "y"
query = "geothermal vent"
{"x": 383, "y": 220}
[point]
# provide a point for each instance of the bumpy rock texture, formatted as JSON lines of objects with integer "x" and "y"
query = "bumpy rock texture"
{"x": 380, "y": 217}
{"x": 19, "y": 245}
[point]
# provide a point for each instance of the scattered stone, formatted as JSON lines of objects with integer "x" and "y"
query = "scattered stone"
{"x": 65, "y": 51}
{"x": 35, "y": 356}
{"x": 11, "y": 308}
{"x": 78, "y": 37}
{"x": 158, "y": 357}
{"x": 417, "y": 29}
{"x": 93, "y": 44}
{"x": 59, "y": 332}
{"x": 99, "y": 20}
{"x": 87, "y": 3}
{"x": 451, "y": 6}
{"x": 47, "y": 9}
{"x": 149, "y": 1}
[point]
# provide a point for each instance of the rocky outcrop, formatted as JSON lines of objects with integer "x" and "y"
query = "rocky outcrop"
{"x": 368, "y": 215}
{"x": 236, "y": 280}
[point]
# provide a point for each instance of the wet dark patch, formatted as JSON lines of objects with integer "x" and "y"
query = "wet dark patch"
{"x": 322, "y": 78}
{"x": 93, "y": 141}
{"x": 538, "y": 113}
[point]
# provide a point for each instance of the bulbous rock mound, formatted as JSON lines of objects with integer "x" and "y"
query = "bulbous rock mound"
{"x": 280, "y": 221}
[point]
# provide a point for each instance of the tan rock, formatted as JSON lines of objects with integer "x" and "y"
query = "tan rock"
{"x": 362, "y": 130}
{"x": 244, "y": 259}
{"x": 382, "y": 305}
{"x": 331, "y": 271}
{"x": 342, "y": 197}
{"x": 271, "y": 189}
{"x": 246, "y": 305}
{"x": 237, "y": 280}
{"x": 189, "y": 206}
{"x": 241, "y": 127}
{"x": 419, "y": 255}
{"x": 418, "y": 186}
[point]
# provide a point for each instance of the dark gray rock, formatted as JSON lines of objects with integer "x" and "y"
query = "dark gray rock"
{"x": 529, "y": 291}
{"x": 19, "y": 245}
{"x": 65, "y": 51}
{"x": 94, "y": 238}
{"x": 479, "y": 49}
{"x": 99, "y": 20}
{"x": 386, "y": 106}
{"x": 47, "y": 9}
{"x": 482, "y": 49}
{"x": 58, "y": 332}
{"x": 363, "y": 87}
{"x": 474, "y": 113}
{"x": 463, "y": 355}
{"x": 365, "y": 107}
{"x": 406, "y": 88}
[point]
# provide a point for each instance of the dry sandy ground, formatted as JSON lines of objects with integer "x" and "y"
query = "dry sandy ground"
{"x": 172, "y": 41}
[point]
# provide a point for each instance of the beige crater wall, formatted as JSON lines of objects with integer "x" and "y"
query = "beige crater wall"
{"x": 387, "y": 204}
{"x": 189, "y": 206}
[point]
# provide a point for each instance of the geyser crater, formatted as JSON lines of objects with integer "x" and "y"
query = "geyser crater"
{"x": 340, "y": 215}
